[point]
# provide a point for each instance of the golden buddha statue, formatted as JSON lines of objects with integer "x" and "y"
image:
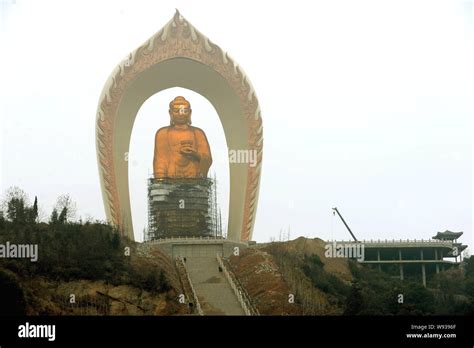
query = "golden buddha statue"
{"x": 181, "y": 150}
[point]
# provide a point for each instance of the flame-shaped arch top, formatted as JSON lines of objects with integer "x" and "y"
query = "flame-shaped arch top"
{"x": 179, "y": 56}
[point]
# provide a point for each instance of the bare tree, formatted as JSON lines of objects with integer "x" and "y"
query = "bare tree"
{"x": 14, "y": 192}
{"x": 42, "y": 215}
{"x": 16, "y": 204}
{"x": 66, "y": 208}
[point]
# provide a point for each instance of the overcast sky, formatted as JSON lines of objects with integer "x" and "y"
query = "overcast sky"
{"x": 366, "y": 105}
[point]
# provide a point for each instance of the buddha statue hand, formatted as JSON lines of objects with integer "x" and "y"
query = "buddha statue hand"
{"x": 190, "y": 153}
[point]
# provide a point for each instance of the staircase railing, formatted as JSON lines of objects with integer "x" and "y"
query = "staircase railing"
{"x": 242, "y": 296}
{"x": 181, "y": 265}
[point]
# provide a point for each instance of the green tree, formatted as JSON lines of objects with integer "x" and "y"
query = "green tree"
{"x": 469, "y": 267}
{"x": 16, "y": 211}
{"x": 16, "y": 204}
{"x": 151, "y": 282}
{"x": 115, "y": 240}
{"x": 34, "y": 211}
{"x": 355, "y": 300}
{"x": 418, "y": 299}
{"x": 54, "y": 217}
{"x": 66, "y": 208}
{"x": 164, "y": 284}
{"x": 62, "y": 219}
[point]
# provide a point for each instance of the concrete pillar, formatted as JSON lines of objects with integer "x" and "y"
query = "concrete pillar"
{"x": 437, "y": 268}
{"x": 423, "y": 269}
{"x": 436, "y": 254}
{"x": 401, "y": 264}
{"x": 378, "y": 259}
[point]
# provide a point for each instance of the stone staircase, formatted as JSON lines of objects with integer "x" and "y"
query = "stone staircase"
{"x": 212, "y": 288}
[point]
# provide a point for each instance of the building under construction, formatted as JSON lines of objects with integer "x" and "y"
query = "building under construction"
{"x": 182, "y": 207}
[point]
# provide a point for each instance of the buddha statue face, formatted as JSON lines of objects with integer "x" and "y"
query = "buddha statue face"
{"x": 180, "y": 111}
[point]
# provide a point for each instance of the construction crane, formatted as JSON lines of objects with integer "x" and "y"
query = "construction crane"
{"x": 345, "y": 224}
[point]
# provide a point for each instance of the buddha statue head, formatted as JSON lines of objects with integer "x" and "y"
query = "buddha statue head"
{"x": 180, "y": 111}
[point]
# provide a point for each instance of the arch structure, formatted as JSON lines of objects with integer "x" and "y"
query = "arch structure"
{"x": 179, "y": 56}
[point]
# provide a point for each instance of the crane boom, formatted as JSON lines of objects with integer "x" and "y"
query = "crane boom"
{"x": 345, "y": 224}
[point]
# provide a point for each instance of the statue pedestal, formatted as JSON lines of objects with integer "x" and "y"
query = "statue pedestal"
{"x": 181, "y": 207}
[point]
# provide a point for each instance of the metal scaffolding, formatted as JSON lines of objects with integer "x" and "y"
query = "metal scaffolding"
{"x": 182, "y": 207}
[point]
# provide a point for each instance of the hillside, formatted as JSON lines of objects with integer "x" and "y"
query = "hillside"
{"x": 85, "y": 269}
{"x": 271, "y": 272}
